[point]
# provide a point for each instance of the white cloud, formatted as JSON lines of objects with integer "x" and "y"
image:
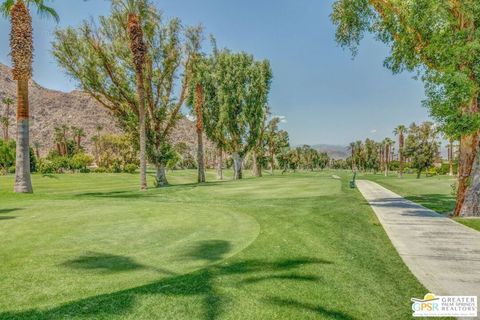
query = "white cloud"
{"x": 373, "y": 131}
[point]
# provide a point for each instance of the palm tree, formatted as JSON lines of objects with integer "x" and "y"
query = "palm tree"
{"x": 21, "y": 45}
{"x": 78, "y": 134}
{"x": 37, "y": 145}
{"x": 400, "y": 131}
{"x": 351, "y": 147}
{"x": 139, "y": 52}
{"x": 387, "y": 142}
{"x": 8, "y": 102}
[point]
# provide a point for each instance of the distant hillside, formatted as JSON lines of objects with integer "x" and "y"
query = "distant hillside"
{"x": 51, "y": 108}
{"x": 333, "y": 151}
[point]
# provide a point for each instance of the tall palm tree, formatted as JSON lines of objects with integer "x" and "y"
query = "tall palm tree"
{"x": 21, "y": 45}
{"x": 351, "y": 147}
{"x": 8, "y": 102}
{"x": 78, "y": 134}
{"x": 400, "y": 131}
{"x": 135, "y": 9}
{"x": 387, "y": 142}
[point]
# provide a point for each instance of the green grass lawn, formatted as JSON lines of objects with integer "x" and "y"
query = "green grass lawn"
{"x": 298, "y": 246}
{"x": 432, "y": 192}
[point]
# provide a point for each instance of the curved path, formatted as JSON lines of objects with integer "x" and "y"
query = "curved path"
{"x": 442, "y": 254}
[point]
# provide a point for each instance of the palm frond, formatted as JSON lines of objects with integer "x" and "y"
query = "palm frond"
{"x": 6, "y": 6}
{"x": 43, "y": 10}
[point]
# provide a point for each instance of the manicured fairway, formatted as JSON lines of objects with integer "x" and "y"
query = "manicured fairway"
{"x": 433, "y": 192}
{"x": 298, "y": 246}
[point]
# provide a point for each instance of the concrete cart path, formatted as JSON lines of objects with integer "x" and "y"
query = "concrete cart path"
{"x": 442, "y": 254}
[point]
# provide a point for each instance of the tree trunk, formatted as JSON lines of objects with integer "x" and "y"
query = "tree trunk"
{"x": 450, "y": 159}
{"x": 237, "y": 166}
{"x": 200, "y": 159}
{"x": 468, "y": 194}
{"x": 161, "y": 175}
{"x": 272, "y": 164}
{"x": 386, "y": 160}
{"x": 471, "y": 204}
{"x": 23, "y": 183}
{"x": 198, "y": 111}
{"x": 143, "y": 134}
{"x": 468, "y": 153}
{"x": 419, "y": 173}
{"x": 400, "y": 155}
{"x": 219, "y": 164}
{"x": 138, "y": 49}
{"x": 257, "y": 170}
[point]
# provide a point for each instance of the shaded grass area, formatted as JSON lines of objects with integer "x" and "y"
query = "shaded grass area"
{"x": 297, "y": 246}
{"x": 433, "y": 192}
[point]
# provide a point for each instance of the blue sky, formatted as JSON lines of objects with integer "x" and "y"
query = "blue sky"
{"x": 324, "y": 94}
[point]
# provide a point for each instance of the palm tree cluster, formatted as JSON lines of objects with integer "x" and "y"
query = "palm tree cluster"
{"x": 418, "y": 149}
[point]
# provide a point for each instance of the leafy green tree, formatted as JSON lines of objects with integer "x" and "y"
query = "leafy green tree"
{"x": 438, "y": 39}
{"x": 421, "y": 146}
{"x": 21, "y": 45}
{"x": 276, "y": 139}
{"x": 100, "y": 59}
{"x": 242, "y": 87}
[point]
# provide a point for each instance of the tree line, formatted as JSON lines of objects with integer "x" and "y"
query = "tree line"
{"x": 417, "y": 149}
{"x": 438, "y": 40}
{"x": 132, "y": 62}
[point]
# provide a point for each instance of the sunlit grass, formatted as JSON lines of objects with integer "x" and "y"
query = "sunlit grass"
{"x": 296, "y": 246}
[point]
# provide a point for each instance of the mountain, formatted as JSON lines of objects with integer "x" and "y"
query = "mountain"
{"x": 334, "y": 151}
{"x": 50, "y": 108}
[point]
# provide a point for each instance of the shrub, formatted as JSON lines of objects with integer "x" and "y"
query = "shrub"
{"x": 130, "y": 168}
{"x": 80, "y": 161}
{"x": 46, "y": 167}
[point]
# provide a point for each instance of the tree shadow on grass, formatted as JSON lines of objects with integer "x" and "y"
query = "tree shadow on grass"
{"x": 107, "y": 263}
{"x": 440, "y": 203}
{"x": 10, "y": 210}
{"x": 7, "y": 218}
{"x": 209, "y": 250}
{"x": 201, "y": 284}
{"x": 116, "y": 195}
{"x": 321, "y": 311}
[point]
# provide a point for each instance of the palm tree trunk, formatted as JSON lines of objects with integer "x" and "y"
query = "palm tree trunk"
{"x": 199, "y": 113}
{"x": 23, "y": 183}
{"x": 143, "y": 134}
{"x": 138, "y": 48}
{"x": 450, "y": 159}
{"x": 219, "y": 164}
{"x": 400, "y": 154}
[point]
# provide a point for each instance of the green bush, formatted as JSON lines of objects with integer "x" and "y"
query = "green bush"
{"x": 130, "y": 168}
{"x": 80, "y": 161}
{"x": 11, "y": 169}
{"x": 46, "y": 166}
